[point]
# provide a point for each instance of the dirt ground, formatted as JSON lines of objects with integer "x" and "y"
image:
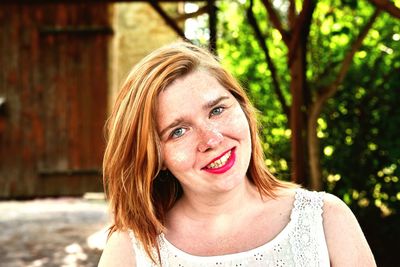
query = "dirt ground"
{"x": 66, "y": 232}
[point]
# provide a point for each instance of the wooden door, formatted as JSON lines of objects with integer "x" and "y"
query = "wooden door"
{"x": 55, "y": 100}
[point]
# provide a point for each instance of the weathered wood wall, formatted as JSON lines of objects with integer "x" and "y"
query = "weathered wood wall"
{"x": 53, "y": 81}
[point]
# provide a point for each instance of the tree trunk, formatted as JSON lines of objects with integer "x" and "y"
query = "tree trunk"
{"x": 313, "y": 146}
{"x": 297, "y": 116}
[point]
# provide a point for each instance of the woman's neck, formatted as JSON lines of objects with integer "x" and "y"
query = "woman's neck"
{"x": 214, "y": 207}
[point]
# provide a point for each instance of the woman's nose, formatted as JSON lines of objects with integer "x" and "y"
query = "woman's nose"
{"x": 209, "y": 138}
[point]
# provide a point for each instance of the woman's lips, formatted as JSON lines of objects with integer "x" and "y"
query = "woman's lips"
{"x": 222, "y": 163}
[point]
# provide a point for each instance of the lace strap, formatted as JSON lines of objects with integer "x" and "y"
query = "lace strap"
{"x": 307, "y": 239}
{"x": 308, "y": 201}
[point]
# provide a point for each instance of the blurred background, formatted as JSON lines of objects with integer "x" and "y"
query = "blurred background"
{"x": 323, "y": 74}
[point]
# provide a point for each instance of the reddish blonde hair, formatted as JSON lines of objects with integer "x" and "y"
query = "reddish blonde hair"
{"x": 139, "y": 193}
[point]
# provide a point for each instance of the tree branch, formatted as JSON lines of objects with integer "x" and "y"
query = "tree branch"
{"x": 202, "y": 10}
{"x": 387, "y": 6}
{"x": 292, "y": 13}
{"x": 301, "y": 26}
{"x": 316, "y": 107}
{"x": 253, "y": 22}
{"x": 212, "y": 25}
{"x": 167, "y": 18}
{"x": 275, "y": 20}
{"x": 331, "y": 90}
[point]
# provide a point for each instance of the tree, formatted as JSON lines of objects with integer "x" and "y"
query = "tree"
{"x": 357, "y": 127}
{"x": 307, "y": 101}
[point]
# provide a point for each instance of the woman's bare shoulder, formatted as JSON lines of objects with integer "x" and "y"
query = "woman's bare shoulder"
{"x": 118, "y": 251}
{"x": 283, "y": 201}
{"x": 285, "y": 192}
{"x": 346, "y": 242}
{"x": 286, "y": 196}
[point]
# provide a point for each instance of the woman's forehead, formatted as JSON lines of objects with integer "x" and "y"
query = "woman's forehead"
{"x": 192, "y": 93}
{"x": 200, "y": 84}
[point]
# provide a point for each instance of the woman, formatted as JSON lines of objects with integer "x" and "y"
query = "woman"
{"x": 186, "y": 180}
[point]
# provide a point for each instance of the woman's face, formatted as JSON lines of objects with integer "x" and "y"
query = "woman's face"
{"x": 205, "y": 135}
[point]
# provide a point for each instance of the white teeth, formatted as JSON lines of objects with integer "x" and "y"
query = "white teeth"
{"x": 220, "y": 162}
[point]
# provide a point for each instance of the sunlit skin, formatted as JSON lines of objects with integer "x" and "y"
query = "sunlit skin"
{"x": 199, "y": 121}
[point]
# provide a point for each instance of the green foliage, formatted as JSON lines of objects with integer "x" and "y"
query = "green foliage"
{"x": 359, "y": 127}
{"x": 363, "y": 121}
{"x": 241, "y": 54}
{"x": 363, "y": 126}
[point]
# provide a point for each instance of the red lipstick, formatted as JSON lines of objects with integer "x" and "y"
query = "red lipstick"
{"x": 227, "y": 166}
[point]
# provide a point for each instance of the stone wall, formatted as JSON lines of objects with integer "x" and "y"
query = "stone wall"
{"x": 138, "y": 30}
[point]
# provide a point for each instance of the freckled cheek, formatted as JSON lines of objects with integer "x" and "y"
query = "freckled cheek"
{"x": 238, "y": 123}
{"x": 176, "y": 159}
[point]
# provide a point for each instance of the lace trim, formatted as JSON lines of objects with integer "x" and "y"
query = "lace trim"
{"x": 177, "y": 258}
{"x": 307, "y": 210}
{"x": 296, "y": 245}
{"x": 255, "y": 252}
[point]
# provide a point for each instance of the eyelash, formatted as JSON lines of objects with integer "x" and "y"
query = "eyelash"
{"x": 173, "y": 134}
{"x": 216, "y": 108}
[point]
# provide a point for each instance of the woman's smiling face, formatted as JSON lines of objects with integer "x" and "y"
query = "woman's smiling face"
{"x": 205, "y": 135}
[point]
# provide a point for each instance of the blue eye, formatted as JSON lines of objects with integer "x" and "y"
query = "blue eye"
{"x": 178, "y": 132}
{"x": 216, "y": 111}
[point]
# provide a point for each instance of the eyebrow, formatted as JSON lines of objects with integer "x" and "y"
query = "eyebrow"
{"x": 212, "y": 103}
{"x": 206, "y": 106}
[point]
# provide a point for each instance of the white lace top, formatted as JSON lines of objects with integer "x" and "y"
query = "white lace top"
{"x": 300, "y": 243}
